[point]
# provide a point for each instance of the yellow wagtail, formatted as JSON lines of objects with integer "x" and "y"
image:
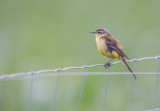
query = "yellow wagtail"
{"x": 110, "y": 47}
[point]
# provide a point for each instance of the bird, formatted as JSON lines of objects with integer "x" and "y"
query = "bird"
{"x": 110, "y": 47}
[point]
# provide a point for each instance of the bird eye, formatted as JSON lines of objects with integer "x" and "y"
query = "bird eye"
{"x": 100, "y": 32}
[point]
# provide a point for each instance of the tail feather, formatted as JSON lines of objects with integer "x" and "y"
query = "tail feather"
{"x": 124, "y": 62}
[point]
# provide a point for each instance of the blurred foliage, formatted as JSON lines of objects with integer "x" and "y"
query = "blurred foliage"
{"x": 36, "y": 35}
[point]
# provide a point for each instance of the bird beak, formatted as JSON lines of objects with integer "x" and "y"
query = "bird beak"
{"x": 93, "y": 32}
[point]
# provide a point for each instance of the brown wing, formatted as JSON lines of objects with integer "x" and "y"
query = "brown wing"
{"x": 114, "y": 46}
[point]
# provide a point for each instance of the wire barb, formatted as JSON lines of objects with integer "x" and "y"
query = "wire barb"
{"x": 4, "y": 92}
{"x": 82, "y": 88}
{"x": 134, "y": 66}
{"x": 106, "y": 89}
{"x": 55, "y": 93}
{"x": 30, "y": 91}
{"x": 156, "y": 86}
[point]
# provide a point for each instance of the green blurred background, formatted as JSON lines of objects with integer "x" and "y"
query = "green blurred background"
{"x": 50, "y": 34}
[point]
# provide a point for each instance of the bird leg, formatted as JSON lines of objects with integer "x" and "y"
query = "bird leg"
{"x": 108, "y": 64}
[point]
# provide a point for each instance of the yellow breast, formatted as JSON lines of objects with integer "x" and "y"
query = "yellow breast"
{"x": 103, "y": 49}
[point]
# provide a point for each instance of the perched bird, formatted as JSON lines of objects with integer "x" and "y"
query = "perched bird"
{"x": 110, "y": 47}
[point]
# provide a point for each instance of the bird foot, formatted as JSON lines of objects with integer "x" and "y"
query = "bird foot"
{"x": 107, "y": 64}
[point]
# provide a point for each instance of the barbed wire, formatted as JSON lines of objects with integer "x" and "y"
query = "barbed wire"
{"x": 59, "y": 72}
{"x": 21, "y": 75}
{"x": 153, "y": 110}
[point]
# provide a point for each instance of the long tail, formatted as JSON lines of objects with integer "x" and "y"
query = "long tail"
{"x": 124, "y": 62}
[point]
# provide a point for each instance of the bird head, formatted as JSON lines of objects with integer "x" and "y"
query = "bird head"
{"x": 101, "y": 32}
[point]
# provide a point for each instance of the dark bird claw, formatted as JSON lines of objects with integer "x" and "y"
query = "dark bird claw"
{"x": 107, "y": 64}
